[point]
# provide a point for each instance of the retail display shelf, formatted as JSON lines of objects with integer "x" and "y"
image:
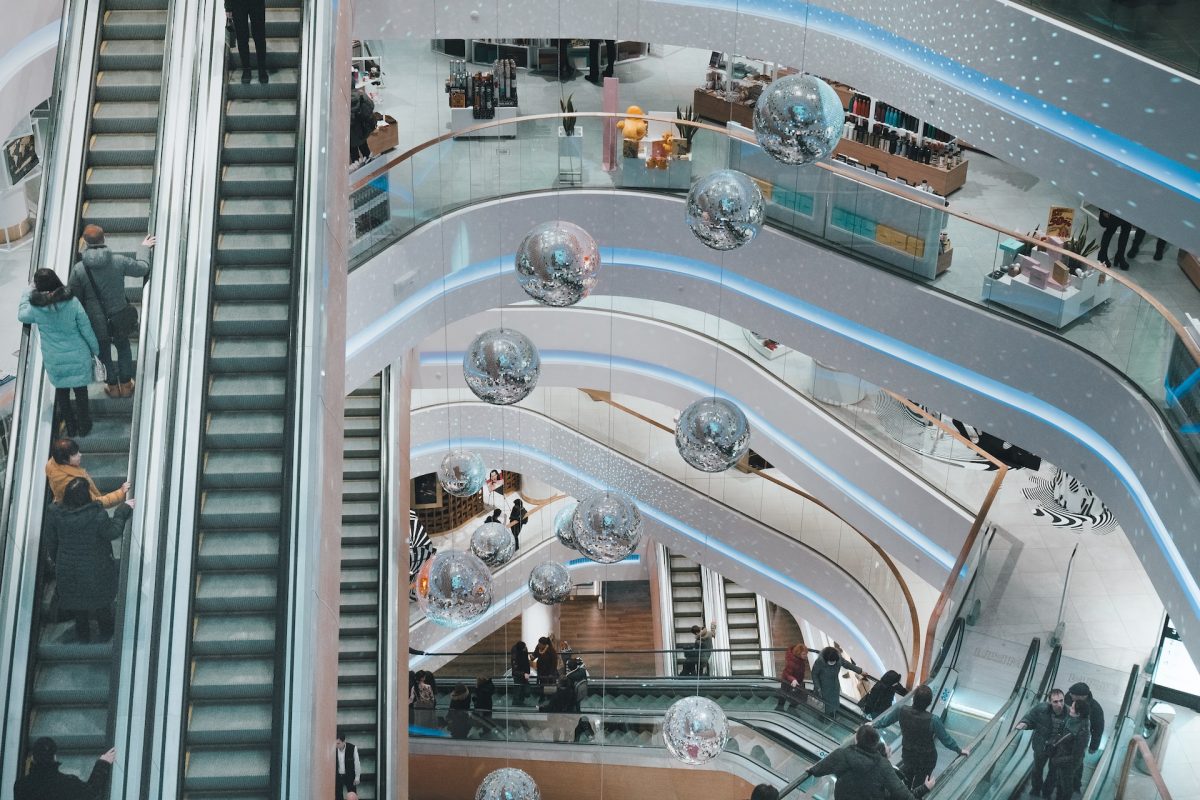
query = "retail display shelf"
{"x": 1054, "y": 307}
{"x": 942, "y": 181}
{"x": 463, "y": 118}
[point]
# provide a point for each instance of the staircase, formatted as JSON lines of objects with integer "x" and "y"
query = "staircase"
{"x": 229, "y": 735}
{"x": 71, "y": 692}
{"x": 358, "y": 652}
{"x": 687, "y": 602}
{"x": 745, "y": 640}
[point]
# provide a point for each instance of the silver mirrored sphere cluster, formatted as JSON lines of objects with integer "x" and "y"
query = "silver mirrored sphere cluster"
{"x": 557, "y": 263}
{"x": 607, "y": 526}
{"x": 501, "y": 366}
{"x": 712, "y": 434}
{"x": 462, "y": 473}
{"x": 725, "y": 209}
{"x": 454, "y": 588}
{"x": 493, "y": 543}
{"x": 798, "y": 119}
{"x": 508, "y": 783}
{"x": 550, "y": 583}
{"x": 695, "y": 730}
{"x": 564, "y": 524}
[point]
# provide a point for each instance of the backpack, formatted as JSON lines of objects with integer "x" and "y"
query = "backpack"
{"x": 424, "y": 696}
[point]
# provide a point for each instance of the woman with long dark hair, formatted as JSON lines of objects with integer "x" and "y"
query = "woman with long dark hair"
{"x": 68, "y": 347}
{"x": 520, "y": 666}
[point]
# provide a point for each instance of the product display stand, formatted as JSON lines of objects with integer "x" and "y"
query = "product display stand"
{"x": 463, "y": 118}
{"x": 635, "y": 174}
{"x": 1032, "y": 294}
{"x": 942, "y": 181}
{"x": 767, "y": 348}
{"x": 570, "y": 156}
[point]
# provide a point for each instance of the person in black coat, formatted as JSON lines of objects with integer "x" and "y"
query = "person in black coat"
{"x": 880, "y": 698}
{"x": 517, "y": 518}
{"x": 347, "y": 767}
{"x": 45, "y": 781}
{"x": 250, "y": 18}
{"x": 78, "y": 539}
{"x": 362, "y": 124}
{"x": 610, "y": 51}
{"x": 519, "y": 663}
{"x": 458, "y": 717}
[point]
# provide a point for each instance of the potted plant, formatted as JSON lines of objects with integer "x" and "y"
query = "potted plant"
{"x": 683, "y": 145}
{"x": 570, "y": 144}
{"x": 1081, "y": 246}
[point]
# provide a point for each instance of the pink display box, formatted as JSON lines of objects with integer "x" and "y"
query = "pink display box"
{"x": 1034, "y": 271}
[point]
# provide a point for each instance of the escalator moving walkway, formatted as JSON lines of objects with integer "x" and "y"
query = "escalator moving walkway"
{"x": 71, "y": 684}
{"x": 232, "y": 707}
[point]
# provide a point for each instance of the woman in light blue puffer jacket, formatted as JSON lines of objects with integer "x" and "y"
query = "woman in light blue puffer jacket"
{"x": 68, "y": 345}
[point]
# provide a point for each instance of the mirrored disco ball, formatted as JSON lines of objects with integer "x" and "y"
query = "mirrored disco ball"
{"x": 550, "y": 583}
{"x": 608, "y": 527}
{"x": 798, "y": 119}
{"x": 695, "y": 730}
{"x": 557, "y": 263}
{"x": 508, "y": 783}
{"x": 454, "y": 588}
{"x": 462, "y": 473}
{"x": 501, "y": 366}
{"x": 712, "y": 434}
{"x": 493, "y": 542}
{"x": 564, "y": 525}
{"x": 725, "y": 209}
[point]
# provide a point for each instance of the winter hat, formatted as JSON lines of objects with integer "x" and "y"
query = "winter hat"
{"x": 93, "y": 235}
{"x": 44, "y": 750}
{"x": 1081, "y": 689}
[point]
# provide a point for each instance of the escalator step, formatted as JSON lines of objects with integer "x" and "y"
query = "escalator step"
{"x": 363, "y": 406}
{"x": 133, "y": 5}
{"x": 232, "y": 677}
{"x": 261, "y": 115}
{"x": 360, "y": 555}
{"x": 250, "y": 318}
{"x": 235, "y": 591}
{"x": 360, "y": 533}
{"x": 131, "y": 54}
{"x": 357, "y": 670}
{"x": 235, "y": 723}
{"x": 121, "y": 149}
{"x": 234, "y": 634}
{"x": 262, "y": 355}
{"x": 127, "y": 85}
{"x": 239, "y": 549}
{"x": 269, "y": 249}
{"x": 361, "y": 490}
{"x": 259, "y": 180}
{"x": 228, "y": 769}
{"x": 259, "y": 147}
{"x": 224, "y": 508}
{"x": 361, "y": 624}
{"x": 281, "y": 52}
{"x": 357, "y": 694}
{"x": 231, "y": 469}
{"x": 361, "y": 511}
{"x": 117, "y": 215}
{"x": 285, "y": 83}
{"x": 246, "y": 392}
{"x": 238, "y": 430}
{"x": 113, "y": 183}
{"x": 72, "y": 727}
{"x": 360, "y": 468}
{"x": 256, "y": 213}
{"x": 75, "y": 682}
{"x": 252, "y": 283}
{"x": 134, "y": 25}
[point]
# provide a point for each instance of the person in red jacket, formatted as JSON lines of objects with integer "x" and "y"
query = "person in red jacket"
{"x": 795, "y": 673}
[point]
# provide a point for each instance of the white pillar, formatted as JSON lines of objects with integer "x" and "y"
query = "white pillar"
{"x": 536, "y": 491}
{"x": 537, "y": 621}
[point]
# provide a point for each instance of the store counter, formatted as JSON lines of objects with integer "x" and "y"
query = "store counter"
{"x": 1050, "y": 305}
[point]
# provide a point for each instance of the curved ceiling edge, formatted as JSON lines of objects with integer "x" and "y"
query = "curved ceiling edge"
{"x": 862, "y": 337}
{"x": 541, "y": 452}
{"x": 878, "y": 496}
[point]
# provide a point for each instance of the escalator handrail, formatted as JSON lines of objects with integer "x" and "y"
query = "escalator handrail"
{"x": 1020, "y": 691}
{"x": 1124, "y": 720}
{"x": 22, "y": 506}
{"x": 393, "y": 531}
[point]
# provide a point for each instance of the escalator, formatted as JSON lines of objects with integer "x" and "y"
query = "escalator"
{"x": 358, "y": 643}
{"x": 232, "y": 698}
{"x": 744, "y": 621}
{"x": 687, "y": 601}
{"x": 71, "y": 685}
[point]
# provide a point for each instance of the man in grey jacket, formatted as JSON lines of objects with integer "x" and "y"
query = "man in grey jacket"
{"x": 1046, "y": 720}
{"x": 98, "y": 280}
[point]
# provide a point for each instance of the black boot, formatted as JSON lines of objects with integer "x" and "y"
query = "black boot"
{"x": 83, "y": 411}
{"x": 247, "y": 75}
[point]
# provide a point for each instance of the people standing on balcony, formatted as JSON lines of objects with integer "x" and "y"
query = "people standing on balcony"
{"x": 1111, "y": 224}
{"x": 918, "y": 728}
{"x": 45, "y": 781}
{"x": 250, "y": 19}
{"x": 863, "y": 771}
{"x": 566, "y": 69}
{"x": 98, "y": 280}
{"x": 1139, "y": 236}
{"x": 825, "y": 678}
{"x": 610, "y": 52}
{"x": 68, "y": 346}
{"x": 1047, "y": 721}
{"x": 520, "y": 667}
{"x": 517, "y": 519}
{"x": 79, "y": 536}
{"x": 791, "y": 680}
{"x": 362, "y": 125}
{"x": 65, "y": 465}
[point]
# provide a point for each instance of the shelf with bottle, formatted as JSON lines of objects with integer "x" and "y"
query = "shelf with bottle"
{"x": 482, "y": 92}
{"x": 903, "y": 143}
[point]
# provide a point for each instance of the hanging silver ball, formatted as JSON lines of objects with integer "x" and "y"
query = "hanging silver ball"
{"x": 564, "y": 524}
{"x": 462, "y": 473}
{"x": 508, "y": 783}
{"x": 725, "y": 209}
{"x": 712, "y": 434}
{"x": 557, "y": 263}
{"x": 608, "y": 526}
{"x": 550, "y": 583}
{"x": 695, "y": 730}
{"x": 493, "y": 543}
{"x": 798, "y": 119}
{"x": 454, "y": 588}
{"x": 501, "y": 366}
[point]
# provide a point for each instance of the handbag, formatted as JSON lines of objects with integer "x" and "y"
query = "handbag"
{"x": 99, "y": 371}
{"x": 122, "y": 324}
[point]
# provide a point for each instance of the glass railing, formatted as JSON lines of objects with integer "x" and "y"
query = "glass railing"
{"x": 776, "y": 504}
{"x": 1124, "y": 726}
{"x": 1167, "y": 32}
{"x": 880, "y": 222}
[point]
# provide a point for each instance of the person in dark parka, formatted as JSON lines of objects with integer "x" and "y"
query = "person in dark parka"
{"x": 1047, "y": 721}
{"x": 78, "y": 538}
{"x": 880, "y": 698}
{"x": 863, "y": 773}
{"x": 517, "y": 518}
{"x": 1066, "y": 753}
{"x": 825, "y": 678}
{"x": 919, "y": 728}
{"x": 1095, "y": 720}
{"x": 520, "y": 666}
{"x": 44, "y": 781}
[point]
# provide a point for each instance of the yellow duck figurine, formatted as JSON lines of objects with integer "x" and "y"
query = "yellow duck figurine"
{"x": 633, "y": 131}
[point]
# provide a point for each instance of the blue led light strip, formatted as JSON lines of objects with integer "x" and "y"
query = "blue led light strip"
{"x": 432, "y": 449}
{"x": 1000, "y": 392}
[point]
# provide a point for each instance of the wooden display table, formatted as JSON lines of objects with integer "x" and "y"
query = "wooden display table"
{"x": 1190, "y": 264}
{"x": 710, "y": 106}
{"x": 942, "y": 181}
